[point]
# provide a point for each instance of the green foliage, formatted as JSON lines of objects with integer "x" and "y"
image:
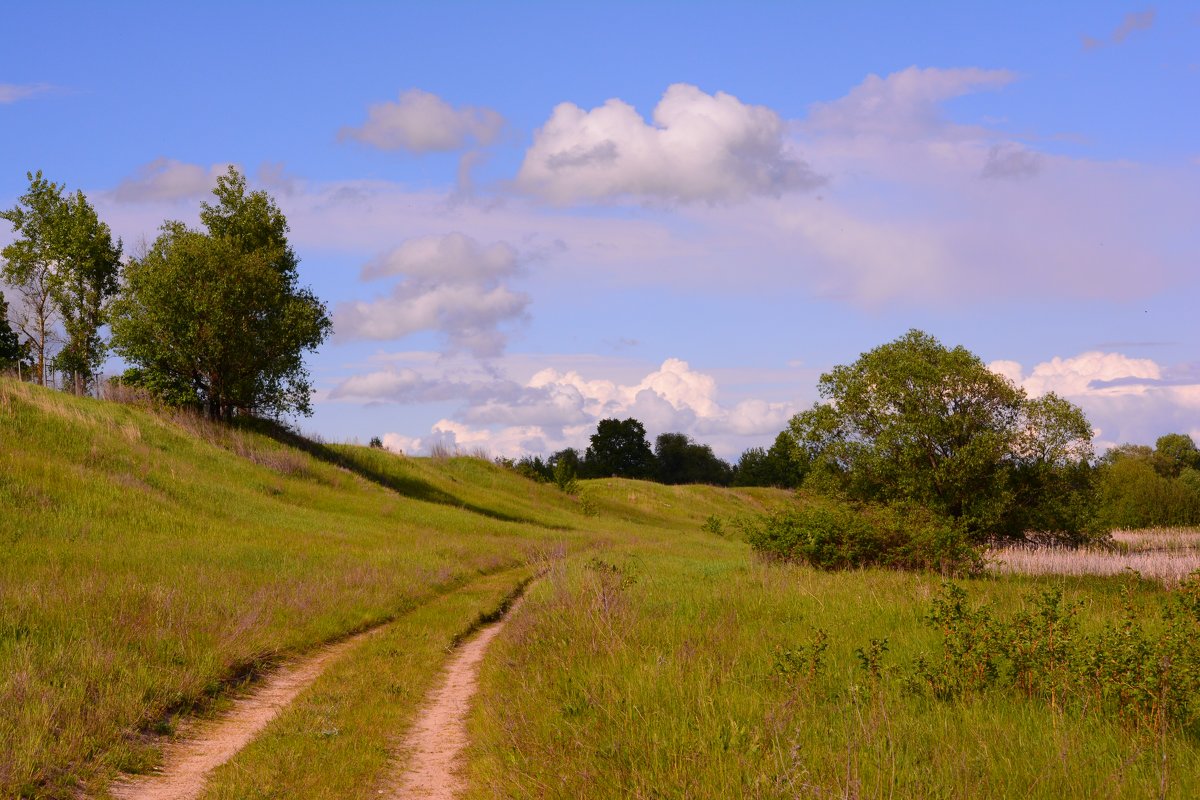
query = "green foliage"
{"x": 783, "y": 465}
{"x": 375, "y": 442}
{"x": 64, "y": 265}
{"x": 832, "y": 534}
{"x": 86, "y": 282}
{"x": 1140, "y": 488}
{"x": 714, "y": 525}
{"x": 913, "y": 421}
{"x": 1144, "y": 674}
{"x": 681, "y": 460}
{"x": 619, "y": 449}
{"x": 11, "y": 349}
{"x": 216, "y": 320}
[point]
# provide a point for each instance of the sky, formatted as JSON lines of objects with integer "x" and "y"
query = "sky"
{"x": 526, "y": 217}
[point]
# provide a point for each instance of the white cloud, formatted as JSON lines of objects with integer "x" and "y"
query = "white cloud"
{"x": 453, "y": 257}
{"x": 698, "y": 147}
{"x": 561, "y": 408}
{"x": 168, "y": 180}
{"x": 422, "y": 122}
{"x": 12, "y": 92}
{"x": 1127, "y": 399}
{"x": 905, "y": 104}
{"x": 451, "y": 284}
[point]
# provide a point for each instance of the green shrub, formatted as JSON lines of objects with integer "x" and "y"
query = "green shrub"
{"x": 833, "y": 534}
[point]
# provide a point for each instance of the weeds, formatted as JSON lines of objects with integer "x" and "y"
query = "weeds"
{"x": 1144, "y": 674}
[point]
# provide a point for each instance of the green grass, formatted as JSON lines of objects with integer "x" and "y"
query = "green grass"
{"x": 339, "y": 738}
{"x": 656, "y": 676}
{"x": 152, "y": 563}
{"x": 148, "y": 561}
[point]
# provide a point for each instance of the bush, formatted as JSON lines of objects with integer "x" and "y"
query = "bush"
{"x": 834, "y": 534}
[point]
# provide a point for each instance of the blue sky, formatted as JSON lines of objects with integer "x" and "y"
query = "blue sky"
{"x": 528, "y": 216}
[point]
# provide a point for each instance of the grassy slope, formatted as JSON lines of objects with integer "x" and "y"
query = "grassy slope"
{"x": 149, "y": 561}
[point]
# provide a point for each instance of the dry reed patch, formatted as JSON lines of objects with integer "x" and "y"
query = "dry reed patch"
{"x": 1165, "y": 554}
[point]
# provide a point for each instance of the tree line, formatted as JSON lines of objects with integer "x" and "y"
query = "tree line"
{"x": 210, "y": 318}
{"x": 620, "y": 449}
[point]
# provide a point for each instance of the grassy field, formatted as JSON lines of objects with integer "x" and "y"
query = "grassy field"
{"x": 152, "y": 563}
{"x": 693, "y": 671}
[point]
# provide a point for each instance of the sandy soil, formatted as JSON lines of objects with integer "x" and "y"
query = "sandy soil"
{"x": 206, "y": 746}
{"x": 438, "y": 737}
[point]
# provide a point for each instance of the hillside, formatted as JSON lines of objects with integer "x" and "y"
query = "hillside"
{"x": 151, "y": 561}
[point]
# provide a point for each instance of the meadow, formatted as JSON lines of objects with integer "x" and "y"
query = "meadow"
{"x": 153, "y": 564}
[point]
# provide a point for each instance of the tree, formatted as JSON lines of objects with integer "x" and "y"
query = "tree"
{"x": 681, "y": 460}
{"x": 619, "y": 449}
{"x": 216, "y": 319}
{"x": 11, "y": 349}
{"x": 784, "y": 465}
{"x": 87, "y": 279}
{"x": 31, "y": 264}
{"x": 914, "y": 421}
{"x": 1175, "y": 452}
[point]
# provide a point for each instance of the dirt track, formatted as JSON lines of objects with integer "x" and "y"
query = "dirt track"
{"x": 439, "y": 735}
{"x": 206, "y": 746}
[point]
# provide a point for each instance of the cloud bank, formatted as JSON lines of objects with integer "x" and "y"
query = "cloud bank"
{"x": 167, "y": 180}
{"x": 555, "y": 409}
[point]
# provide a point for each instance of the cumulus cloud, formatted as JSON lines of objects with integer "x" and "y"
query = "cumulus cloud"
{"x": 561, "y": 408}
{"x": 12, "y": 92}
{"x": 1134, "y": 21}
{"x": 905, "y": 104}
{"x": 697, "y": 147}
{"x": 422, "y": 122}
{"x": 450, "y": 284}
{"x": 168, "y": 180}
{"x": 1127, "y": 399}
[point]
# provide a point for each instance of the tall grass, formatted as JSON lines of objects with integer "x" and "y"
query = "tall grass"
{"x": 702, "y": 673}
{"x": 1165, "y": 554}
{"x": 150, "y": 559}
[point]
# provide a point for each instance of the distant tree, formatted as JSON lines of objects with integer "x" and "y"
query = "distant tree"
{"x": 913, "y": 421}
{"x": 375, "y": 442}
{"x": 681, "y": 460}
{"x": 564, "y": 466}
{"x": 11, "y": 349}
{"x": 784, "y": 465}
{"x": 535, "y": 468}
{"x": 1174, "y": 453}
{"x": 217, "y": 319}
{"x": 619, "y": 449}
{"x": 31, "y": 264}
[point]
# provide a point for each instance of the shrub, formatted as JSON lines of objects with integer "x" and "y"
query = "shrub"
{"x": 835, "y": 534}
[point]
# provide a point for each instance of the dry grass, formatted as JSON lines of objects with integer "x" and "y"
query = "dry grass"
{"x": 1165, "y": 554}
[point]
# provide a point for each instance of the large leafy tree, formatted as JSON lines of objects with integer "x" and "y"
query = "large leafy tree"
{"x": 915, "y": 421}
{"x": 216, "y": 319}
{"x": 619, "y": 449}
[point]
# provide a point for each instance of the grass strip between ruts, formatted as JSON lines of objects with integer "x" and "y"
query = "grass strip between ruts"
{"x": 339, "y": 738}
